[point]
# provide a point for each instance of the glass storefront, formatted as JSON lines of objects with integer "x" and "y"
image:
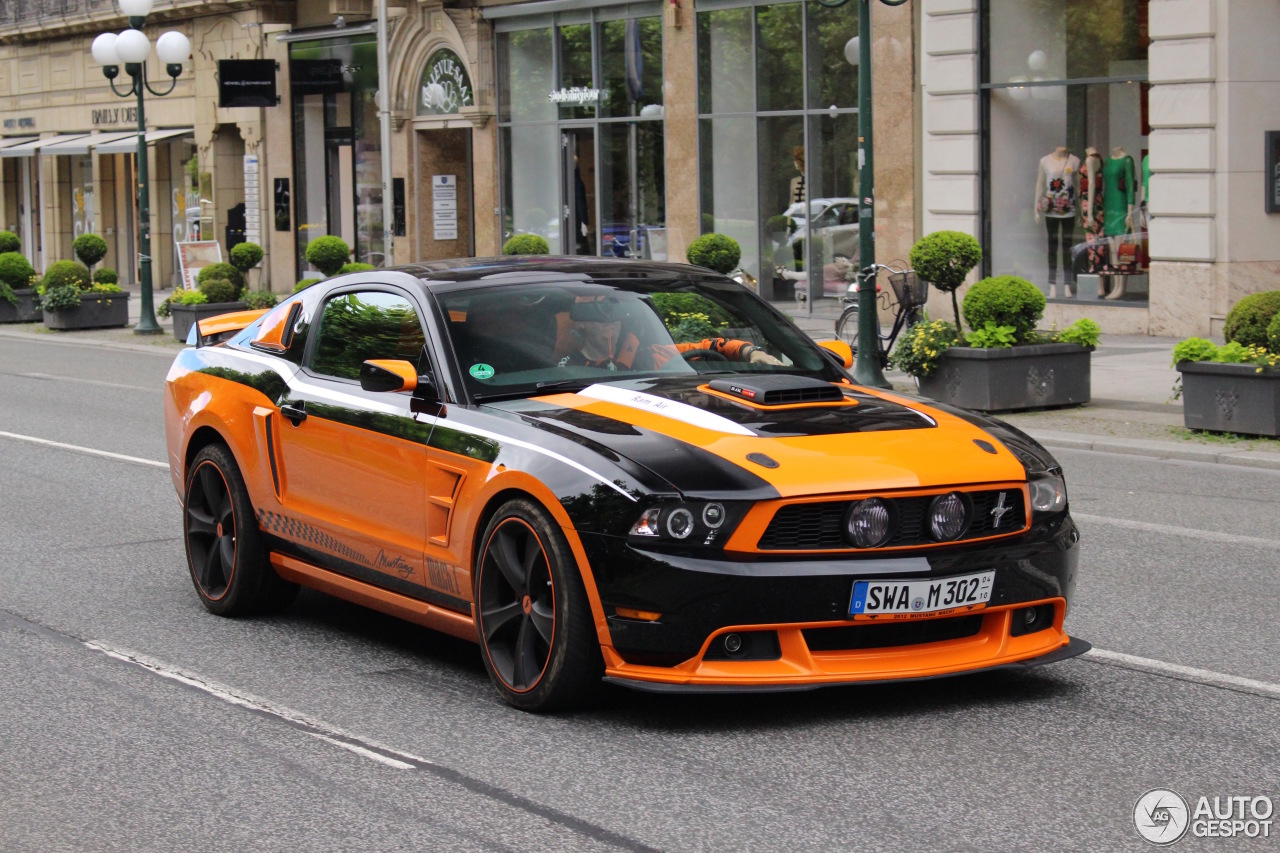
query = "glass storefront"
{"x": 580, "y": 110}
{"x": 1065, "y": 139}
{"x": 337, "y": 145}
{"x": 777, "y": 89}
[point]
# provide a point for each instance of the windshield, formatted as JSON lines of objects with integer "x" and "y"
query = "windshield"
{"x": 522, "y": 340}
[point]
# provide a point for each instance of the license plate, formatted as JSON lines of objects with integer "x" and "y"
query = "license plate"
{"x": 895, "y": 600}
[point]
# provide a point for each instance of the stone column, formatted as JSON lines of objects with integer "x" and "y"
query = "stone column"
{"x": 680, "y": 100}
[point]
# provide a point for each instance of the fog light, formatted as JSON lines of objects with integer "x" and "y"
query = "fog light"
{"x": 680, "y": 523}
{"x": 869, "y": 524}
{"x": 713, "y": 515}
{"x": 732, "y": 643}
{"x": 948, "y": 517}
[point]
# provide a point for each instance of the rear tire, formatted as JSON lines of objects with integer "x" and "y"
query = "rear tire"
{"x": 226, "y": 554}
{"x": 537, "y": 635}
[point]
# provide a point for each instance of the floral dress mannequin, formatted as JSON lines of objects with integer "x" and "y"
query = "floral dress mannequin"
{"x": 1056, "y": 207}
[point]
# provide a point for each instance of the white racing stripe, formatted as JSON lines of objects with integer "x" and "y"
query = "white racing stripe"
{"x": 1185, "y": 673}
{"x": 120, "y": 457}
{"x": 673, "y": 409}
{"x": 1188, "y": 532}
{"x": 329, "y": 734}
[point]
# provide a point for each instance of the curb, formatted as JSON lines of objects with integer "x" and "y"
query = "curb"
{"x": 1258, "y": 459}
{"x": 80, "y": 339}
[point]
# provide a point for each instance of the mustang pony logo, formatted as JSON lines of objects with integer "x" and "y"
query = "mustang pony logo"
{"x": 998, "y": 511}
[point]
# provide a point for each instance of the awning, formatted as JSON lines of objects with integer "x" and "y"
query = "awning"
{"x": 84, "y": 143}
{"x": 130, "y": 145}
{"x": 30, "y": 149}
{"x": 7, "y": 141}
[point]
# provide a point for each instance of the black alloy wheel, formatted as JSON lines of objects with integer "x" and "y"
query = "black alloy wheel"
{"x": 535, "y": 626}
{"x": 226, "y": 553}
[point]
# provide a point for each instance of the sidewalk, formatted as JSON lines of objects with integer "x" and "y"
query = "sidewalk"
{"x": 1132, "y": 410}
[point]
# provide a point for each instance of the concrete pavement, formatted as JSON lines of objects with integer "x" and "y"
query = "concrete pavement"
{"x": 1132, "y": 411}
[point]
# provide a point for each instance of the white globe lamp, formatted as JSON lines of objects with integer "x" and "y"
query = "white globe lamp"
{"x": 133, "y": 47}
{"x": 136, "y": 8}
{"x": 173, "y": 48}
{"x": 104, "y": 50}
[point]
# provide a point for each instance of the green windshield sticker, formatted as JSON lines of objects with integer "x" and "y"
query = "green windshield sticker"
{"x": 482, "y": 371}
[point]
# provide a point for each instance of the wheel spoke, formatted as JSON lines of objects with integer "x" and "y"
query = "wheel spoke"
{"x": 227, "y": 550}
{"x": 525, "y": 655}
{"x": 544, "y": 620}
{"x": 211, "y": 560}
{"x": 509, "y": 562}
{"x": 495, "y": 619}
{"x": 226, "y": 515}
{"x": 200, "y": 522}
{"x": 211, "y": 486}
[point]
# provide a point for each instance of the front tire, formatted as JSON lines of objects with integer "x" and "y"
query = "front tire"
{"x": 225, "y": 552}
{"x": 537, "y": 636}
{"x": 847, "y": 327}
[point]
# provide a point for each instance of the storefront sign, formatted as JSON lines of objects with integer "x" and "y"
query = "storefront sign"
{"x": 16, "y": 123}
{"x": 445, "y": 85}
{"x": 115, "y": 115}
{"x": 317, "y": 76}
{"x": 195, "y": 256}
{"x": 247, "y": 83}
{"x": 444, "y": 206}
{"x": 252, "y": 200}
{"x": 576, "y": 95}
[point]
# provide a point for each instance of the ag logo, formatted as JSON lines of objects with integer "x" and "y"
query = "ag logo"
{"x": 1161, "y": 816}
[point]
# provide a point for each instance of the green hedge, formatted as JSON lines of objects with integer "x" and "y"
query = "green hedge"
{"x": 1005, "y": 300}
{"x": 526, "y": 244}
{"x": 218, "y": 289}
{"x": 1249, "y": 319}
{"x": 328, "y": 254}
{"x": 66, "y": 274}
{"x": 105, "y": 275}
{"x": 224, "y": 270}
{"x": 305, "y": 283}
{"x": 356, "y": 266}
{"x": 718, "y": 252}
{"x": 15, "y": 270}
{"x": 9, "y": 242}
{"x": 246, "y": 256}
{"x": 89, "y": 248}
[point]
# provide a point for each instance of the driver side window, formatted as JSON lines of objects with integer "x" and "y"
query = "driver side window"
{"x": 363, "y": 325}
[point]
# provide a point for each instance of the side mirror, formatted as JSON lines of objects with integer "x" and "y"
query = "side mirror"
{"x": 842, "y": 351}
{"x": 388, "y": 375}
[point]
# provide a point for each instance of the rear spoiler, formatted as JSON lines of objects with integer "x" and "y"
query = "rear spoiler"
{"x": 213, "y": 329}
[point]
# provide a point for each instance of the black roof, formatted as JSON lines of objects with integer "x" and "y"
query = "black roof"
{"x": 511, "y": 268}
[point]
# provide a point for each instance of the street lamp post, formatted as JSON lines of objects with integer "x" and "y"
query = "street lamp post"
{"x": 132, "y": 48}
{"x": 866, "y": 370}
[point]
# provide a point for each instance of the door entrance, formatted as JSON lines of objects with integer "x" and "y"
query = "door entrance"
{"x": 579, "y": 222}
{"x": 445, "y": 221}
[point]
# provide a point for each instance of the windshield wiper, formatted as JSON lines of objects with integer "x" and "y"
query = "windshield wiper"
{"x": 565, "y": 384}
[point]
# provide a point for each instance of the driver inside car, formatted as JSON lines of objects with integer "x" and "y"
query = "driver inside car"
{"x": 600, "y": 340}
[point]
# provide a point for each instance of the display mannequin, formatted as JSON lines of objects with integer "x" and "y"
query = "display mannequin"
{"x": 1056, "y": 207}
{"x": 797, "y": 183}
{"x": 1119, "y": 182}
{"x": 1092, "y": 213}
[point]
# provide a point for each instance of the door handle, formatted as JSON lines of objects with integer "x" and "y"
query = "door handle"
{"x": 296, "y": 413}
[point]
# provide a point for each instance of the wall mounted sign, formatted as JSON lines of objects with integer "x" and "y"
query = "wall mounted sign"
{"x": 247, "y": 83}
{"x": 444, "y": 206}
{"x": 14, "y": 123}
{"x": 115, "y": 115}
{"x": 252, "y": 200}
{"x": 575, "y": 95}
{"x": 445, "y": 85}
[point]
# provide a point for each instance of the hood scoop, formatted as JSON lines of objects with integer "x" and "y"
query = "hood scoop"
{"x": 778, "y": 390}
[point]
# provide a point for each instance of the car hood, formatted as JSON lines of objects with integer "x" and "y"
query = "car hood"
{"x": 704, "y": 442}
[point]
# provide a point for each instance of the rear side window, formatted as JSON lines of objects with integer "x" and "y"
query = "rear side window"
{"x": 365, "y": 325}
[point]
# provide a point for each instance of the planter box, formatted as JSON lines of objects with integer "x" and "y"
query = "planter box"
{"x": 96, "y": 311}
{"x": 999, "y": 380}
{"x": 186, "y": 316}
{"x": 25, "y": 311}
{"x": 1230, "y": 398}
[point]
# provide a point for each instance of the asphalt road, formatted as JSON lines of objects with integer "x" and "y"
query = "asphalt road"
{"x": 131, "y": 719}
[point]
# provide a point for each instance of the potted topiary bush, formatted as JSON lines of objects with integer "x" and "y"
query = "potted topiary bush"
{"x": 356, "y": 266}
{"x": 213, "y": 295}
{"x": 717, "y": 252}
{"x": 1235, "y": 388}
{"x": 246, "y": 256}
{"x": 328, "y": 254}
{"x": 9, "y": 242}
{"x": 526, "y": 244}
{"x": 70, "y": 300}
{"x": 89, "y": 248}
{"x": 305, "y": 283}
{"x": 945, "y": 259}
{"x": 225, "y": 271}
{"x": 19, "y": 302}
{"x": 1003, "y": 364}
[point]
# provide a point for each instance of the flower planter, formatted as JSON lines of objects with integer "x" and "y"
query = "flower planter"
{"x": 186, "y": 316}
{"x": 1023, "y": 377}
{"x": 96, "y": 311}
{"x": 26, "y": 311}
{"x": 1230, "y": 398}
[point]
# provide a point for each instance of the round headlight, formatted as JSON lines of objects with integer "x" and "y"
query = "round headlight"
{"x": 948, "y": 517}
{"x": 870, "y": 523}
{"x": 680, "y": 523}
{"x": 713, "y": 515}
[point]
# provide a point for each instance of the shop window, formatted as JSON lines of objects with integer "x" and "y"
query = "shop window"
{"x": 1065, "y": 131}
{"x": 526, "y": 75}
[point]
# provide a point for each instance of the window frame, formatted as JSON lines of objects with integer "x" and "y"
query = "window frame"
{"x": 317, "y": 329}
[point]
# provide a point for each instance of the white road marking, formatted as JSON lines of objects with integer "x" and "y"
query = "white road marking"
{"x": 330, "y": 734}
{"x": 1185, "y": 673}
{"x": 1188, "y": 532}
{"x": 120, "y": 457}
{"x": 51, "y": 377}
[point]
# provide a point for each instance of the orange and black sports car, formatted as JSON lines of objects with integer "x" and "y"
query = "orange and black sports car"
{"x": 634, "y": 472}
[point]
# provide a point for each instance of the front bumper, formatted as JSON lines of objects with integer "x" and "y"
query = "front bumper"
{"x": 800, "y": 606}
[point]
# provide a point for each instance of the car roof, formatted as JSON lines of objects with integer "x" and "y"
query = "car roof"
{"x": 516, "y": 269}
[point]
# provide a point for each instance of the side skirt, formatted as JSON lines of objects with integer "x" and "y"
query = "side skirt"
{"x": 358, "y": 592}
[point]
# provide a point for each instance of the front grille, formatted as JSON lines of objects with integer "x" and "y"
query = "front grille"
{"x": 820, "y": 526}
{"x": 891, "y": 634}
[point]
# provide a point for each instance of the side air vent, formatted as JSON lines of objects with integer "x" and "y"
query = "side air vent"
{"x": 778, "y": 390}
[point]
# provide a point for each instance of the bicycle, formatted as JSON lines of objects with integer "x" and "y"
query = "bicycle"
{"x": 909, "y": 295}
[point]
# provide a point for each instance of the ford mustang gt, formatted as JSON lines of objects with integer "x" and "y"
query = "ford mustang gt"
{"x": 610, "y": 471}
